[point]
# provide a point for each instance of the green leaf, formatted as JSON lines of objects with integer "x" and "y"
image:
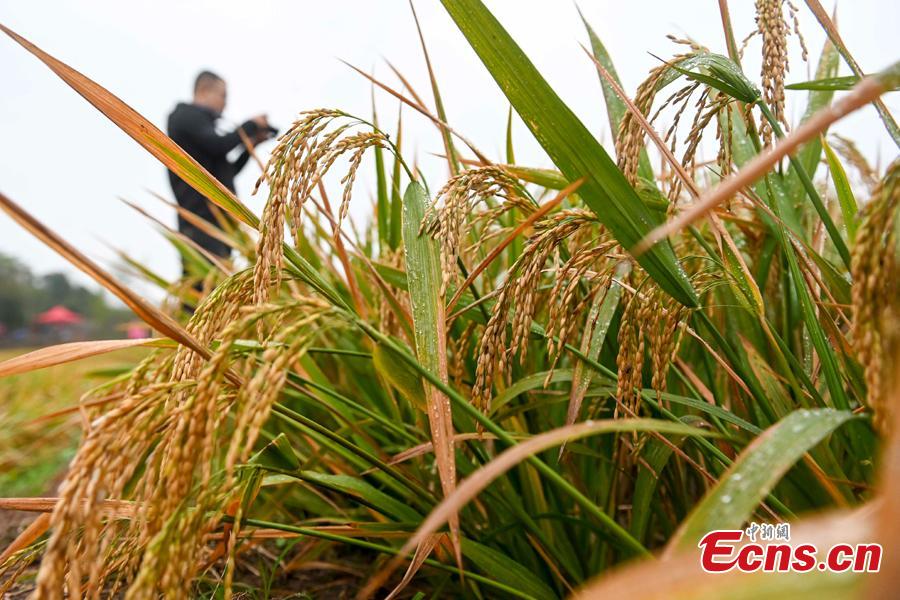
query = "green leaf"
{"x": 506, "y": 570}
{"x": 395, "y": 235}
{"x": 399, "y": 375}
{"x": 423, "y": 275}
{"x": 510, "y": 148}
{"x": 831, "y": 84}
{"x": 710, "y": 409}
{"x": 721, "y": 73}
{"x": 615, "y": 107}
{"x": 569, "y": 144}
{"x": 598, "y": 321}
{"x": 364, "y": 491}
{"x": 278, "y": 454}
{"x": 845, "y": 196}
{"x": 654, "y": 458}
{"x": 525, "y": 384}
{"x": 756, "y": 471}
{"x": 382, "y": 210}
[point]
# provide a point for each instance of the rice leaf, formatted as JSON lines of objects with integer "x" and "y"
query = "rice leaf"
{"x": 654, "y": 458}
{"x": 844, "y": 192}
{"x": 353, "y": 486}
{"x": 570, "y": 145}
{"x": 396, "y": 207}
{"x": 528, "y": 383}
{"x": 66, "y": 353}
{"x": 382, "y": 199}
{"x": 755, "y": 472}
{"x": 599, "y": 318}
{"x": 452, "y": 159}
{"x": 505, "y": 570}
{"x": 400, "y": 376}
{"x": 429, "y": 325}
{"x": 277, "y": 454}
{"x": 510, "y": 147}
{"x": 832, "y": 84}
{"x": 721, "y": 73}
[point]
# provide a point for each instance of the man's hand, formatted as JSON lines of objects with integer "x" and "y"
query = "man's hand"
{"x": 263, "y": 132}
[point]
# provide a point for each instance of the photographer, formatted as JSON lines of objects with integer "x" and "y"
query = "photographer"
{"x": 193, "y": 127}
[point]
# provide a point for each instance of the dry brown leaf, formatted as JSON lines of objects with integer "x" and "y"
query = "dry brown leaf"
{"x": 428, "y": 447}
{"x": 121, "y": 509}
{"x": 148, "y": 313}
{"x": 35, "y": 529}
{"x": 64, "y": 353}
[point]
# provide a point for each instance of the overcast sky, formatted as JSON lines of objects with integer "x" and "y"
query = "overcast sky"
{"x": 67, "y": 164}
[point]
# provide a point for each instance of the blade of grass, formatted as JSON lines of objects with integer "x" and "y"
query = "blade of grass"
{"x": 510, "y": 147}
{"x": 396, "y": 227}
{"x": 452, "y": 160}
{"x": 382, "y": 206}
{"x": 69, "y": 352}
{"x": 599, "y": 319}
{"x": 615, "y": 108}
{"x": 842, "y": 188}
{"x": 829, "y": 60}
{"x": 429, "y": 326}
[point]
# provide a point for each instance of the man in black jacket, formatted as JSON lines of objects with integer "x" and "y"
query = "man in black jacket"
{"x": 192, "y": 126}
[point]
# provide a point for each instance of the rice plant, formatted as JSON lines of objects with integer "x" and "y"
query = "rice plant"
{"x": 517, "y": 382}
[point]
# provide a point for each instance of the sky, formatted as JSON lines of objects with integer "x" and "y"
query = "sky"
{"x": 69, "y": 166}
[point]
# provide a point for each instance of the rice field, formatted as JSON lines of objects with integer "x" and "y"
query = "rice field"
{"x": 512, "y": 382}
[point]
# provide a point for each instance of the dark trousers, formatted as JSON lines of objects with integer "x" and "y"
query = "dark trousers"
{"x": 205, "y": 241}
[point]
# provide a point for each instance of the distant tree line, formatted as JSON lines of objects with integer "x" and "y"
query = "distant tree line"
{"x": 24, "y": 295}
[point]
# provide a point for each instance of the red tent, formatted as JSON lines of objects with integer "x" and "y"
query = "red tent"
{"x": 58, "y": 315}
